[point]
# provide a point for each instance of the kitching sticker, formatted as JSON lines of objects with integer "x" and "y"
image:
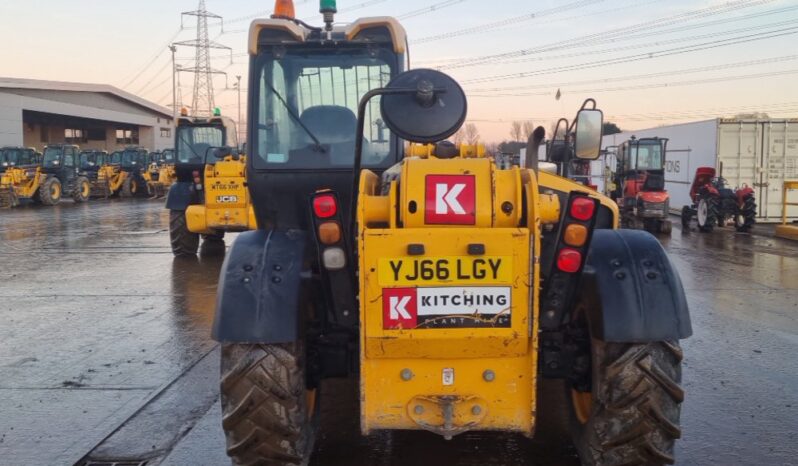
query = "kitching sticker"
{"x": 447, "y": 307}
{"x": 453, "y": 269}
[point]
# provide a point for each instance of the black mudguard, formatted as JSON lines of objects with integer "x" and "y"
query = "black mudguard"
{"x": 258, "y": 294}
{"x": 180, "y": 196}
{"x": 631, "y": 290}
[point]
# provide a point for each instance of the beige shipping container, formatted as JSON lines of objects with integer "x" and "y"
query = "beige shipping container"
{"x": 761, "y": 154}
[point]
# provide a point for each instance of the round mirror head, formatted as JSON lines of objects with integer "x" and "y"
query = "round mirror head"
{"x": 435, "y": 111}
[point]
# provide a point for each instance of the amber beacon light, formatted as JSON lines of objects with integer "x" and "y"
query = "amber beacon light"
{"x": 284, "y": 9}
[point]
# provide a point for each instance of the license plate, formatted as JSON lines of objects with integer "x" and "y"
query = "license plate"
{"x": 408, "y": 271}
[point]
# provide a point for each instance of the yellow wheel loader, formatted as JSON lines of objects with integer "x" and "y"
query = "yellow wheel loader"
{"x": 209, "y": 194}
{"x": 445, "y": 286}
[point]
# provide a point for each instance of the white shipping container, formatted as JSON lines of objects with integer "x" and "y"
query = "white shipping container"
{"x": 760, "y": 153}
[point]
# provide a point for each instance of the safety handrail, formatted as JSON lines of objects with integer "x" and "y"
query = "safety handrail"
{"x": 788, "y": 185}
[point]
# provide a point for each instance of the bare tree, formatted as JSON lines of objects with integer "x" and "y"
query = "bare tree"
{"x": 515, "y": 131}
{"x": 528, "y": 129}
{"x": 459, "y": 136}
{"x": 471, "y": 134}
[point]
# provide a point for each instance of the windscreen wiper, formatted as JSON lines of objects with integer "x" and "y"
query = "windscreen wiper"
{"x": 183, "y": 140}
{"x": 296, "y": 118}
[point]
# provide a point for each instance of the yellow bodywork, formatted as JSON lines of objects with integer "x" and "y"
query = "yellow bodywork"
{"x": 110, "y": 179}
{"x": 159, "y": 178}
{"x": 19, "y": 183}
{"x": 227, "y": 205}
{"x": 428, "y": 150}
{"x": 435, "y": 373}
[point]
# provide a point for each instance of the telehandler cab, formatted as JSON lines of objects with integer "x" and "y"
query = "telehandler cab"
{"x": 18, "y": 157}
{"x": 446, "y": 287}
{"x": 209, "y": 196}
{"x": 90, "y": 162}
{"x": 134, "y": 162}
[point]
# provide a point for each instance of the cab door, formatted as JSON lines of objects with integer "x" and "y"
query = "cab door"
{"x": 70, "y": 170}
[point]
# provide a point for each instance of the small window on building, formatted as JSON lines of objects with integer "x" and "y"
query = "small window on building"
{"x": 166, "y": 132}
{"x": 74, "y": 136}
{"x": 127, "y": 136}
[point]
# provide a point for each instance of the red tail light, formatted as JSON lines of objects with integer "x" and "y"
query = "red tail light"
{"x": 569, "y": 260}
{"x": 324, "y": 206}
{"x": 583, "y": 208}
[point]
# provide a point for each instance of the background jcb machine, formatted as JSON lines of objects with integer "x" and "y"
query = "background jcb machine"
{"x": 46, "y": 183}
{"x": 130, "y": 182}
{"x": 209, "y": 196}
{"x": 162, "y": 174}
{"x": 90, "y": 162}
{"x": 17, "y": 161}
{"x": 18, "y": 157}
{"x": 446, "y": 287}
{"x": 108, "y": 176}
{"x": 639, "y": 182}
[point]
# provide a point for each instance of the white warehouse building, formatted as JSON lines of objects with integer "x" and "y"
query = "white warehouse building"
{"x": 34, "y": 113}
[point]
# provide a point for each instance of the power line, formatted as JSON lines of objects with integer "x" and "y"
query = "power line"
{"x": 651, "y": 85}
{"x": 719, "y": 67}
{"x": 611, "y": 34}
{"x": 651, "y": 44}
{"x": 152, "y": 60}
{"x": 695, "y": 113}
{"x": 431, "y": 8}
{"x": 643, "y": 56}
{"x": 507, "y": 21}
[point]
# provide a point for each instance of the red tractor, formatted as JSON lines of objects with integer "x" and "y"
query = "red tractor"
{"x": 640, "y": 185}
{"x": 714, "y": 203}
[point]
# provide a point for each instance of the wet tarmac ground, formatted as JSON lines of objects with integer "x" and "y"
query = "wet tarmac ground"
{"x": 105, "y": 353}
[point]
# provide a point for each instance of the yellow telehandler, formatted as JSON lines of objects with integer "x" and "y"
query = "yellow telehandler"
{"x": 46, "y": 182}
{"x": 209, "y": 194}
{"x": 445, "y": 286}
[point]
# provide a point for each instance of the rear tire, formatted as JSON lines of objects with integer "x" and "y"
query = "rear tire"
{"x": 687, "y": 215}
{"x": 707, "y": 213}
{"x": 50, "y": 191}
{"x": 268, "y": 416}
{"x": 665, "y": 227}
{"x": 746, "y": 218}
{"x": 130, "y": 187}
{"x": 635, "y": 405}
{"x": 82, "y": 189}
{"x": 184, "y": 243}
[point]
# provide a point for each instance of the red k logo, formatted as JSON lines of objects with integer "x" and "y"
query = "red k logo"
{"x": 450, "y": 199}
{"x": 399, "y": 308}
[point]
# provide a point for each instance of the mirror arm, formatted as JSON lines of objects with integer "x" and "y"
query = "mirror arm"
{"x": 587, "y": 101}
{"x": 361, "y": 126}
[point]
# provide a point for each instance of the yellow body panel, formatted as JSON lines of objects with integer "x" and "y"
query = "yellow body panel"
{"x": 564, "y": 185}
{"x": 24, "y": 182}
{"x": 227, "y": 205}
{"x": 431, "y": 374}
{"x": 507, "y": 184}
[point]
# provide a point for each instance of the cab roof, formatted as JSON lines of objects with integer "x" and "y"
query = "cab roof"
{"x": 377, "y": 29}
